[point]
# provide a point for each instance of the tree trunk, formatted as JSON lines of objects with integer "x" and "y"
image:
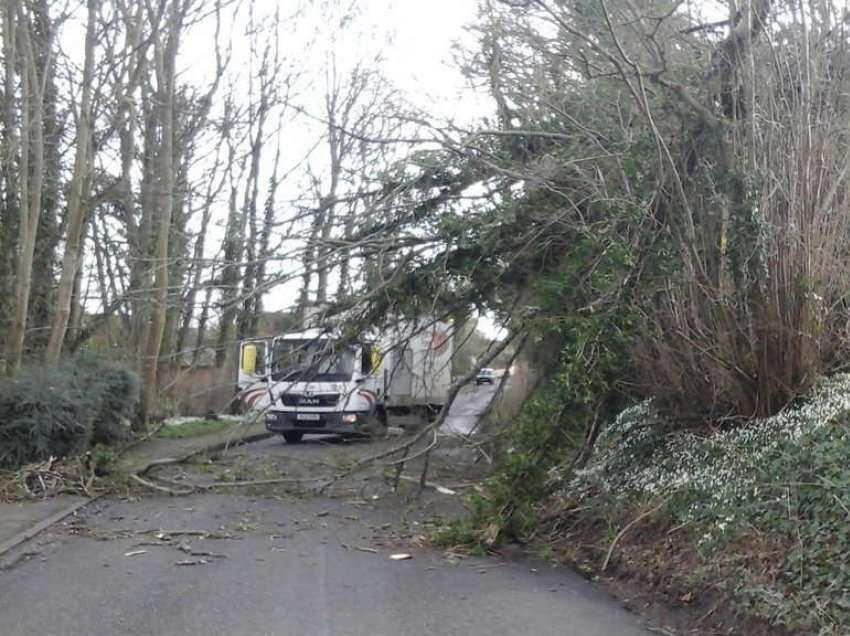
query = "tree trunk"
{"x": 32, "y": 177}
{"x": 263, "y": 248}
{"x": 196, "y": 269}
{"x": 165, "y": 55}
{"x": 77, "y": 200}
{"x": 9, "y": 158}
{"x": 49, "y": 231}
{"x": 231, "y": 273}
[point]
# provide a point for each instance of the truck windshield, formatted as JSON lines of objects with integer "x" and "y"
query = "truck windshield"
{"x": 312, "y": 361}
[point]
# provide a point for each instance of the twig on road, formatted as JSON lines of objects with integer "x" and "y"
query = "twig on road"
{"x": 423, "y": 477}
{"x": 149, "y": 484}
{"x": 255, "y": 482}
{"x": 401, "y": 462}
{"x": 399, "y": 469}
{"x": 191, "y": 488}
{"x": 445, "y": 490}
{"x": 431, "y": 428}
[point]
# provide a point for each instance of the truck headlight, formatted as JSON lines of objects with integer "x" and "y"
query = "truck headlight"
{"x": 349, "y": 418}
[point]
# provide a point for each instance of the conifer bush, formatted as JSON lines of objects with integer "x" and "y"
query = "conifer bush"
{"x": 62, "y": 410}
{"x": 118, "y": 392}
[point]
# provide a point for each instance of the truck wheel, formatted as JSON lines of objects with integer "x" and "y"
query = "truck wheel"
{"x": 292, "y": 437}
{"x": 377, "y": 426}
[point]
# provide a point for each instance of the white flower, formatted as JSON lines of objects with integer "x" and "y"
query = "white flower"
{"x": 634, "y": 462}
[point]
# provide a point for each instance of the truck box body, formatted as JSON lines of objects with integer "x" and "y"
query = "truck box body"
{"x": 418, "y": 369}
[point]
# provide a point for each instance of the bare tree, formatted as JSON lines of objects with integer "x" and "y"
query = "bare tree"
{"x": 165, "y": 46}
{"x": 359, "y": 109}
{"x": 30, "y": 179}
{"x": 76, "y": 213}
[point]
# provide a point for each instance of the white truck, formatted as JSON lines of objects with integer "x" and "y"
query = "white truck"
{"x": 313, "y": 382}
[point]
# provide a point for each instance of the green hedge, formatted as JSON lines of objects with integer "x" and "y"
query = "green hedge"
{"x": 117, "y": 391}
{"x": 62, "y": 410}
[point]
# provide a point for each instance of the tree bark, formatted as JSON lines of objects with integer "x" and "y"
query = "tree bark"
{"x": 49, "y": 231}
{"x": 165, "y": 54}
{"x": 10, "y": 213}
{"x": 77, "y": 200}
{"x": 32, "y": 177}
{"x": 231, "y": 274}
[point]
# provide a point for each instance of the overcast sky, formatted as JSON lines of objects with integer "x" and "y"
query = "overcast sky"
{"x": 420, "y": 55}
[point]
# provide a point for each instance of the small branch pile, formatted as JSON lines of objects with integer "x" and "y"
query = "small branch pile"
{"x": 46, "y": 479}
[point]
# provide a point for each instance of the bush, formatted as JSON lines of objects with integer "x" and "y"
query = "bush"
{"x": 584, "y": 356}
{"x": 119, "y": 393}
{"x": 43, "y": 412}
{"x": 757, "y": 308}
{"x": 539, "y": 440}
{"x": 781, "y": 481}
{"x": 638, "y": 457}
{"x": 62, "y": 410}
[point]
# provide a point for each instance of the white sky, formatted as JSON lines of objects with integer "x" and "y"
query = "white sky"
{"x": 420, "y": 59}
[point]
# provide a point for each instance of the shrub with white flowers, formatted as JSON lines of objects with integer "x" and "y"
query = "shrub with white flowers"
{"x": 783, "y": 479}
{"x": 639, "y": 457}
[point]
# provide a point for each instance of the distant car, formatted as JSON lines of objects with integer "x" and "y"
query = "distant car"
{"x": 485, "y": 376}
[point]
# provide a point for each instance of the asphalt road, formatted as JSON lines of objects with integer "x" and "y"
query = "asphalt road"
{"x": 285, "y": 562}
{"x": 286, "y": 567}
{"x": 470, "y": 403}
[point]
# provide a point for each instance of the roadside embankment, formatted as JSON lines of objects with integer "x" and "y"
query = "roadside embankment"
{"x": 751, "y": 520}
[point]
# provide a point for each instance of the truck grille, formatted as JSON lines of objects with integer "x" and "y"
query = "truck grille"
{"x": 299, "y": 399}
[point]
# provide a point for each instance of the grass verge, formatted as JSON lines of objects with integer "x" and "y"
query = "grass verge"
{"x": 193, "y": 428}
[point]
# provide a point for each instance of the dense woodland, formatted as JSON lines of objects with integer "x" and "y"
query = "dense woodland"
{"x": 160, "y": 175}
{"x": 652, "y": 200}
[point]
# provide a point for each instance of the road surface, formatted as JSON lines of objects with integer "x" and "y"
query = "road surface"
{"x": 286, "y": 562}
{"x": 470, "y": 403}
{"x": 286, "y": 567}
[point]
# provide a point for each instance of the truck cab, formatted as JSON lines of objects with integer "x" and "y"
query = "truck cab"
{"x": 312, "y": 382}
